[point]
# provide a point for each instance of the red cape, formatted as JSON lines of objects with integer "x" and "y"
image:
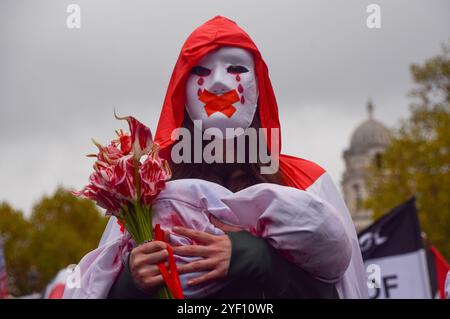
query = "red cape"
{"x": 210, "y": 36}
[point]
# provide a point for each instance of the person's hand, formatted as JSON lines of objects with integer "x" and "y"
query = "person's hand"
{"x": 215, "y": 250}
{"x": 226, "y": 228}
{"x": 144, "y": 260}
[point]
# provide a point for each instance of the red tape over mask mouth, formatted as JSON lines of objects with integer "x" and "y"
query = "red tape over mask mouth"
{"x": 219, "y": 103}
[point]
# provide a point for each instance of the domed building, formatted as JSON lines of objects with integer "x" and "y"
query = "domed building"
{"x": 368, "y": 142}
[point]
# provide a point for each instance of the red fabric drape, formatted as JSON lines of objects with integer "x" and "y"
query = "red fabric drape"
{"x": 210, "y": 36}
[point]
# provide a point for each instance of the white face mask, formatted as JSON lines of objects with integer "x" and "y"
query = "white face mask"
{"x": 222, "y": 90}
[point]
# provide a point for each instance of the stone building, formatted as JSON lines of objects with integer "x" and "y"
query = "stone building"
{"x": 367, "y": 144}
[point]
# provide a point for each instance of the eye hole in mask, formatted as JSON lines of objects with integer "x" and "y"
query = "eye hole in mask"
{"x": 222, "y": 90}
{"x": 200, "y": 71}
{"x": 237, "y": 69}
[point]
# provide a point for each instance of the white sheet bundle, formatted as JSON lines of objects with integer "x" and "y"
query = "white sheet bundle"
{"x": 303, "y": 228}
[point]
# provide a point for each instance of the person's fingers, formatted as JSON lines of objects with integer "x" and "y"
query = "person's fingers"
{"x": 142, "y": 260}
{"x": 214, "y": 274}
{"x": 191, "y": 250}
{"x": 153, "y": 281}
{"x": 198, "y": 265}
{"x": 197, "y": 236}
{"x": 158, "y": 257}
{"x": 148, "y": 271}
{"x": 151, "y": 247}
{"x": 224, "y": 227}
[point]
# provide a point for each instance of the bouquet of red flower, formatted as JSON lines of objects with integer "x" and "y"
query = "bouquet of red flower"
{"x": 128, "y": 175}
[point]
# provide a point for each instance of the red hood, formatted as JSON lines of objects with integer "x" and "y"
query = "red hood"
{"x": 213, "y": 34}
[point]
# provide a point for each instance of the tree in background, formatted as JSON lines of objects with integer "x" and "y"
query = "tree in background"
{"x": 16, "y": 235}
{"x": 417, "y": 162}
{"x": 60, "y": 231}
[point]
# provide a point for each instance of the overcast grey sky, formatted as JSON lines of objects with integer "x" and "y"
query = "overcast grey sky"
{"x": 59, "y": 86}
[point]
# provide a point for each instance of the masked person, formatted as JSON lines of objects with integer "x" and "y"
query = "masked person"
{"x": 220, "y": 82}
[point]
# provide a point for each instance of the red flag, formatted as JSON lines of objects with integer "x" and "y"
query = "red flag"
{"x": 442, "y": 268}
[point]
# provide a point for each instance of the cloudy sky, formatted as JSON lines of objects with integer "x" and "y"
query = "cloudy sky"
{"x": 59, "y": 86}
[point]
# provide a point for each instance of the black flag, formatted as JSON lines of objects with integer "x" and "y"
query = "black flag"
{"x": 394, "y": 255}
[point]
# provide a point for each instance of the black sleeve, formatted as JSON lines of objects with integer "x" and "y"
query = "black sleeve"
{"x": 124, "y": 286}
{"x": 255, "y": 262}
